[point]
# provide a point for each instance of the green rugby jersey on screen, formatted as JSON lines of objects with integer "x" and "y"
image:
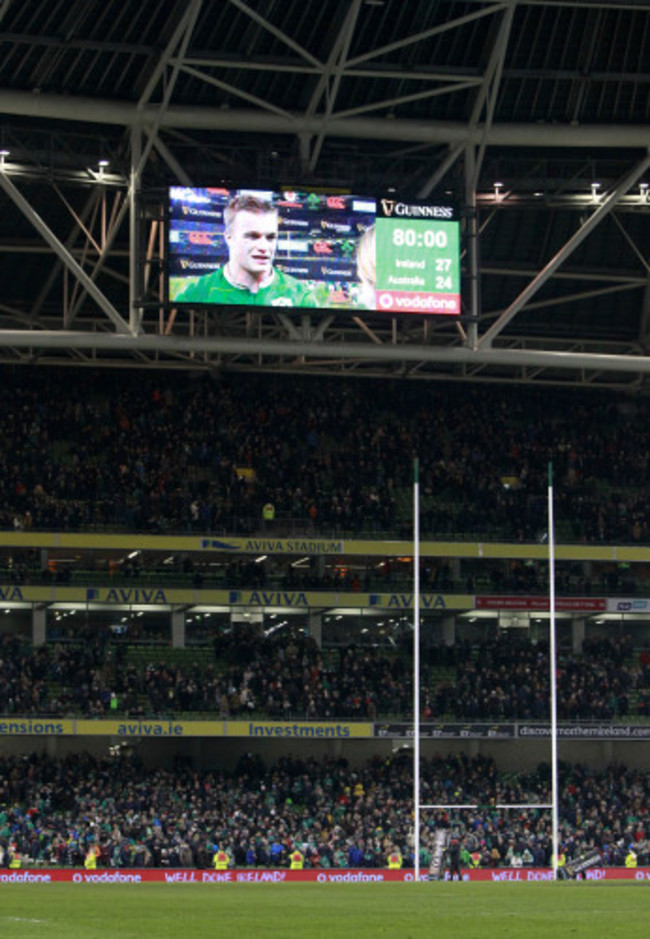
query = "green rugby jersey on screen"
{"x": 284, "y": 290}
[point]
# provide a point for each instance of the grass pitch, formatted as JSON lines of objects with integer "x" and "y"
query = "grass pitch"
{"x": 312, "y": 911}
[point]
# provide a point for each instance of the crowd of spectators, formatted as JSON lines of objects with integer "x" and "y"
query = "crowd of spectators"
{"x": 52, "y": 812}
{"x": 179, "y": 453}
{"x": 509, "y": 680}
{"x": 188, "y": 453}
{"x": 280, "y": 678}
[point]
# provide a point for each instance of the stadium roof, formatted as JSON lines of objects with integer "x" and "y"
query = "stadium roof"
{"x": 550, "y": 99}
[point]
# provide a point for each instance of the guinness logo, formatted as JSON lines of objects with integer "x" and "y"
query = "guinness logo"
{"x": 388, "y": 206}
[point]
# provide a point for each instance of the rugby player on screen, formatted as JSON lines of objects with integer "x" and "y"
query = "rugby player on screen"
{"x": 251, "y": 233}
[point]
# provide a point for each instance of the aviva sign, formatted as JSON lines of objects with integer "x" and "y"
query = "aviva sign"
{"x": 261, "y": 599}
{"x": 11, "y": 594}
{"x": 127, "y": 595}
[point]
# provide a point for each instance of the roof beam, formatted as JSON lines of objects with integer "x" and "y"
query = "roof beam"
{"x": 436, "y": 178}
{"x": 379, "y": 71}
{"x": 278, "y": 33}
{"x": 335, "y": 63}
{"x": 104, "y": 111}
{"x": 490, "y": 88}
{"x": 577, "y": 238}
{"x": 180, "y": 38}
{"x": 406, "y": 99}
{"x": 59, "y": 249}
{"x": 360, "y": 351}
{"x": 330, "y": 81}
{"x": 234, "y": 91}
{"x": 427, "y": 33}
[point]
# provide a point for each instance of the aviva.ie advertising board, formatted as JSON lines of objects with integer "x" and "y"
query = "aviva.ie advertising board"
{"x": 299, "y": 731}
{"x": 170, "y": 728}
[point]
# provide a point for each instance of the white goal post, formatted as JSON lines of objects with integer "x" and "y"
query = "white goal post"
{"x": 553, "y": 805}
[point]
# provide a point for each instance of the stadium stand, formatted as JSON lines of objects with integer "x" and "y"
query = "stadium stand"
{"x": 130, "y": 456}
{"x": 206, "y": 514}
{"x": 96, "y": 673}
{"x": 135, "y": 455}
{"x": 53, "y": 811}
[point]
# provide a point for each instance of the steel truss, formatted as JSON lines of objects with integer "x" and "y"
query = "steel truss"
{"x": 106, "y": 243}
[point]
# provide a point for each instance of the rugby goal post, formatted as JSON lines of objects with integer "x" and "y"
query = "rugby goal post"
{"x": 553, "y": 805}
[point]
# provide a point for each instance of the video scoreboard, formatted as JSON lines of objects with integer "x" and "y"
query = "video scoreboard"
{"x": 325, "y": 251}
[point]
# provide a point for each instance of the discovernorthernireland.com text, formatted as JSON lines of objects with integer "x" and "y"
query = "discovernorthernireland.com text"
{"x": 600, "y": 731}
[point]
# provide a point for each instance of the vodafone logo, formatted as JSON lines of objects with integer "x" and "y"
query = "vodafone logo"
{"x": 416, "y": 302}
{"x": 351, "y": 877}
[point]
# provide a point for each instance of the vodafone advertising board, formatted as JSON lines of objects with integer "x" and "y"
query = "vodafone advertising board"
{"x": 185, "y": 876}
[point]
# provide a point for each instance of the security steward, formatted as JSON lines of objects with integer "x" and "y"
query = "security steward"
{"x": 296, "y": 860}
{"x": 631, "y": 858}
{"x": 90, "y": 860}
{"x": 220, "y": 860}
{"x": 395, "y": 860}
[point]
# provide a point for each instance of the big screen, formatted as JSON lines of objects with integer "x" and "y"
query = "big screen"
{"x": 312, "y": 250}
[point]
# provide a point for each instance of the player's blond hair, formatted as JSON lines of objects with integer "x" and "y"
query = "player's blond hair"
{"x": 246, "y": 203}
